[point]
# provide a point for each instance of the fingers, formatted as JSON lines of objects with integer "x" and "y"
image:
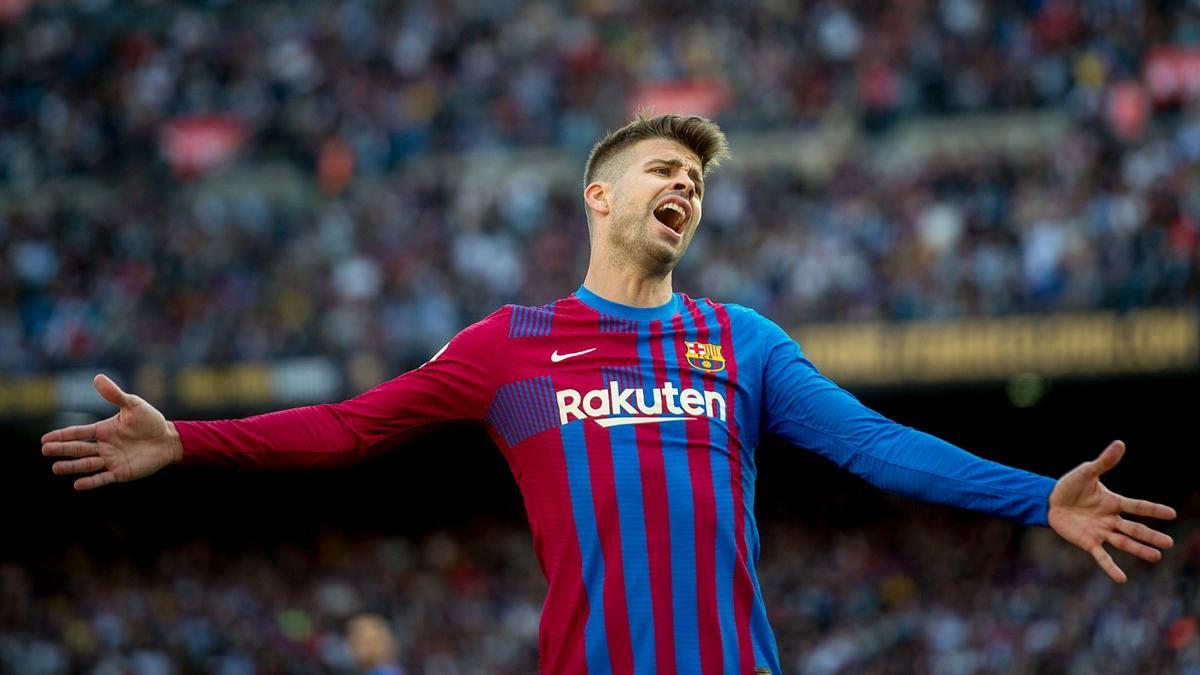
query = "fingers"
{"x": 95, "y": 481}
{"x": 1141, "y": 532}
{"x": 1106, "y": 563}
{"x": 69, "y": 449}
{"x": 1141, "y": 507}
{"x": 1107, "y": 459}
{"x": 111, "y": 392}
{"x": 1134, "y": 548}
{"x": 1124, "y": 541}
{"x": 82, "y": 432}
{"x": 85, "y": 465}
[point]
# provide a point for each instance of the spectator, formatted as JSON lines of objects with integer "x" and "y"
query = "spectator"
{"x": 903, "y": 592}
{"x": 372, "y": 646}
{"x": 128, "y": 266}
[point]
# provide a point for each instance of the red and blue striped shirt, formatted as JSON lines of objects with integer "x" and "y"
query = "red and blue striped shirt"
{"x": 631, "y": 434}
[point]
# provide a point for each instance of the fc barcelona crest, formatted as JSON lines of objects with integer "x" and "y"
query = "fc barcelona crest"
{"x": 704, "y": 356}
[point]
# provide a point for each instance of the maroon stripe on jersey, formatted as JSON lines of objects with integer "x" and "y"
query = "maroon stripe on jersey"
{"x": 546, "y": 487}
{"x": 743, "y": 589}
{"x": 704, "y": 333}
{"x": 658, "y": 520}
{"x": 705, "y": 516}
{"x": 608, "y": 526}
{"x": 598, "y": 442}
{"x": 547, "y": 490}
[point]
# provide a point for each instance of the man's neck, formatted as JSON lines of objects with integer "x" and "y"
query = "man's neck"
{"x": 629, "y": 289}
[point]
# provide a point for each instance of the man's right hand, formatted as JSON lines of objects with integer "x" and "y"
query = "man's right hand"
{"x": 132, "y": 444}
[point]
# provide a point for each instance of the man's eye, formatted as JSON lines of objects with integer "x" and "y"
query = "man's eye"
{"x": 661, "y": 170}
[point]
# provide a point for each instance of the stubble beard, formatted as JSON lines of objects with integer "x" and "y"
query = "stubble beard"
{"x": 634, "y": 248}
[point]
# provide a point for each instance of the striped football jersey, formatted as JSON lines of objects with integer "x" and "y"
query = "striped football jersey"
{"x": 631, "y": 433}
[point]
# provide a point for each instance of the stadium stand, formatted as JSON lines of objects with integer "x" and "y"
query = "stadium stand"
{"x": 923, "y": 592}
{"x": 119, "y": 248}
{"x": 185, "y": 184}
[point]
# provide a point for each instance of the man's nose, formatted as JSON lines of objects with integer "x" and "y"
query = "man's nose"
{"x": 685, "y": 184}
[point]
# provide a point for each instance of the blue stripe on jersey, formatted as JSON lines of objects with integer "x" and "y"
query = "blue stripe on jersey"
{"x": 633, "y": 546}
{"x": 524, "y": 391}
{"x": 683, "y": 525}
{"x": 548, "y": 412}
{"x": 522, "y": 409}
{"x": 726, "y": 539}
{"x": 761, "y": 636}
{"x": 616, "y": 324}
{"x": 645, "y": 362}
{"x": 502, "y": 416}
{"x": 632, "y": 518}
{"x": 765, "y": 650}
{"x": 530, "y": 321}
{"x": 626, "y": 377}
{"x": 516, "y": 322}
{"x": 580, "y": 482}
{"x": 519, "y": 405}
{"x": 630, "y": 377}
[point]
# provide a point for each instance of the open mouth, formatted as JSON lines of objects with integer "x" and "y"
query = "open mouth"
{"x": 672, "y": 215}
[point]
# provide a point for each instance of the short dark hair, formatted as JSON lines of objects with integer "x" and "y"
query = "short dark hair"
{"x": 698, "y": 134}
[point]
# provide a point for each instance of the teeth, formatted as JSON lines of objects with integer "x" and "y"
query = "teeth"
{"x": 672, "y": 222}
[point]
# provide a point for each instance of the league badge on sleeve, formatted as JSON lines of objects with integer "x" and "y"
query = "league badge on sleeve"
{"x": 704, "y": 356}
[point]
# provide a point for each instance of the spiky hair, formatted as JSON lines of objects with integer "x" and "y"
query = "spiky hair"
{"x": 698, "y": 134}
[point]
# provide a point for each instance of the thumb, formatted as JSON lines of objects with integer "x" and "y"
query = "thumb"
{"x": 110, "y": 391}
{"x": 1109, "y": 458}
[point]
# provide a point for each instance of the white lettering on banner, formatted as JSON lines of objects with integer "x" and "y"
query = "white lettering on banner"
{"x": 606, "y": 406}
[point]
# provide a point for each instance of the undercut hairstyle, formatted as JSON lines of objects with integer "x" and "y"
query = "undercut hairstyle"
{"x": 698, "y": 134}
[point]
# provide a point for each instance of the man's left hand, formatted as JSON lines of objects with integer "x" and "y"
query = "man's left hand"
{"x": 1087, "y": 514}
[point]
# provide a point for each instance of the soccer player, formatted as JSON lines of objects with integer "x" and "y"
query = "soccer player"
{"x": 629, "y": 415}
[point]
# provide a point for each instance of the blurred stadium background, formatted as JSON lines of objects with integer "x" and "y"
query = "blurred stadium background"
{"x": 981, "y": 217}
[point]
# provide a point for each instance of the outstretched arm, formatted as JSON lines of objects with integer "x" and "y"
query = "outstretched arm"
{"x": 1089, "y": 515}
{"x": 132, "y": 444}
{"x": 457, "y": 384}
{"x": 811, "y": 411}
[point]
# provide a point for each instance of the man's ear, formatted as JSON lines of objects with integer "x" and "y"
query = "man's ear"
{"x": 596, "y": 195}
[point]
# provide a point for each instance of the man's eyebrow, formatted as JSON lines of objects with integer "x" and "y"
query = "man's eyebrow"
{"x": 693, "y": 172}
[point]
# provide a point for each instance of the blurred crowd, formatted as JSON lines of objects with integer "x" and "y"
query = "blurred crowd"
{"x": 926, "y": 590}
{"x": 356, "y": 93}
{"x": 455, "y": 603}
{"x": 111, "y": 254}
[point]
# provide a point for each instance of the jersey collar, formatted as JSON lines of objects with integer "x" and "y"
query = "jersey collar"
{"x": 662, "y": 312}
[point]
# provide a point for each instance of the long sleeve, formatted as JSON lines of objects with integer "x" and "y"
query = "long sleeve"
{"x": 809, "y": 410}
{"x": 457, "y": 384}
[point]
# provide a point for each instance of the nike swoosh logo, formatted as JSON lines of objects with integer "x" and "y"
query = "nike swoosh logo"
{"x": 556, "y": 357}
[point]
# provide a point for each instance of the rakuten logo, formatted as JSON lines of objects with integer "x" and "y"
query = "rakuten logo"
{"x": 603, "y": 404}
